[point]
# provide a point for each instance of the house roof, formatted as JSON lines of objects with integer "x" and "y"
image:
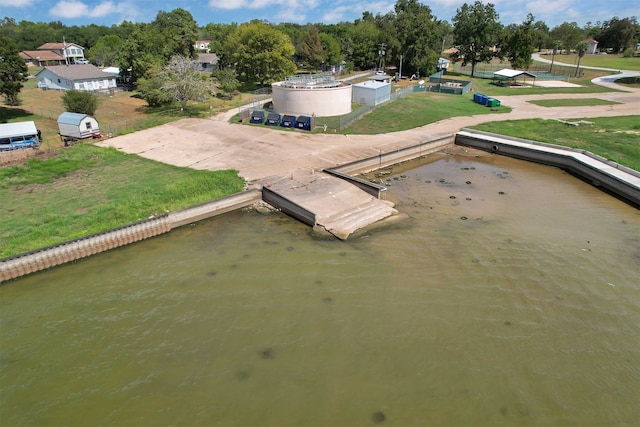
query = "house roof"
{"x": 8, "y": 130}
{"x": 57, "y": 46}
{"x": 77, "y": 72}
{"x": 42, "y": 55}
{"x": 208, "y": 58}
{"x": 71, "y": 118}
{"x": 506, "y": 72}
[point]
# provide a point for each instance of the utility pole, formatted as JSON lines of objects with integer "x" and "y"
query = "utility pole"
{"x": 381, "y": 51}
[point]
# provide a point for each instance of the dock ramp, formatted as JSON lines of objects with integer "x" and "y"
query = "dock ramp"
{"x": 327, "y": 203}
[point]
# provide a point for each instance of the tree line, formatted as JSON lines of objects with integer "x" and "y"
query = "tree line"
{"x": 259, "y": 53}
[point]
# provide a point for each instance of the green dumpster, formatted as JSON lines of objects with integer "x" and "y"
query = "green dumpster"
{"x": 492, "y": 102}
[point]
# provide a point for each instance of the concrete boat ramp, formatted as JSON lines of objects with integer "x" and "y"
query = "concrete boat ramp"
{"x": 327, "y": 203}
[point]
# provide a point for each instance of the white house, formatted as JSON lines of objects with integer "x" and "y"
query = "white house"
{"x": 202, "y": 46}
{"x": 75, "y": 77}
{"x": 55, "y": 53}
{"x": 593, "y": 46}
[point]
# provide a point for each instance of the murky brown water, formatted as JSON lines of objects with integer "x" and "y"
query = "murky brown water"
{"x": 510, "y": 297}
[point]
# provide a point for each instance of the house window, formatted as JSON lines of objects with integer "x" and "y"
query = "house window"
{"x": 88, "y": 124}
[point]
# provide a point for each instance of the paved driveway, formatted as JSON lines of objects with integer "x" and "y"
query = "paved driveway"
{"x": 258, "y": 153}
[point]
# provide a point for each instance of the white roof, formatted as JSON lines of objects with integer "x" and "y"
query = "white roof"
{"x": 111, "y": 70}
{"x": 372, "y": 84}
{"x": 8, "y": 130}
{"x": 507, "y": 72}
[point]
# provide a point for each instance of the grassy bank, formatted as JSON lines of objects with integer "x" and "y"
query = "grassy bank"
{"x": 88, "y": 189}
{"x": 614, "y": 138}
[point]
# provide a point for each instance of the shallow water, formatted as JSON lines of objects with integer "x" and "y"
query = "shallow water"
{"x": 508, "y": 297}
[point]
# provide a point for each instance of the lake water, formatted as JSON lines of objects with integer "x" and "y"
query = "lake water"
{"x": 510, "y": 296}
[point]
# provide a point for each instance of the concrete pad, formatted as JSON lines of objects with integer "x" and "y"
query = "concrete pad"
{"x": 340, "y": 207}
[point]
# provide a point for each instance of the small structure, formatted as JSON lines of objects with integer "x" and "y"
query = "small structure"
{"x": 592, "y": 46}
{"x": 508, "y": 77}
{"x": 19, "y": 135}
{"x": 73, "y": 126}
{"x": 84, "y": 77}
{"x": 208, "y": 61}
{"x": 371, "y": 92}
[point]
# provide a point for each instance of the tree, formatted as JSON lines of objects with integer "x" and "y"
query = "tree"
{"x": 364, "y": 45}
{"x": 556, "y": 44}
{"x": 476, "y": 31}
{"x": 13, "y": 70}
{"x": 179, "y": 32}
{"x": 150, "y": 87}
{"x": 183, "y": 81}
{"x": 76, "y": 101}
{"x": 519, "y": 43}
{"x": 419, "y": 35}
{"x": 105, "y": 51}
{"x": 581, "y": 48}
{"x": 331, "y": 48}
{"x": 310, "y": 49}
{"x": 226, "y": 80}
{"x": 618, "y": 34}
{"x": 569, "y": 34}
{"x": 261, "y": 53}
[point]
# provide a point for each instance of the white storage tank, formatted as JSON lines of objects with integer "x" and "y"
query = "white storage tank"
{"x": 321, "y": 95}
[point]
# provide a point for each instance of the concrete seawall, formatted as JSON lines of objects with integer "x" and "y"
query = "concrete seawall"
{"x": 41, "y": 259}
{"x": 609, "y": 176}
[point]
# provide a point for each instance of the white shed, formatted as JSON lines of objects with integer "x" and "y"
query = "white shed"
{"x": 77, "y": 125}
{"x": 371, "y": 92}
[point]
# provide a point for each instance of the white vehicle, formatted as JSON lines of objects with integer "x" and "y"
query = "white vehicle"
{"x": 82, "y": 61}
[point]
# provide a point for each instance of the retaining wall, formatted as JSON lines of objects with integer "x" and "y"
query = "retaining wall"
{"x": 287, "y": 206}
{"x": 609, "y": 176}
{"x": 41, "y": 259}
{"x": 384, "y": 159}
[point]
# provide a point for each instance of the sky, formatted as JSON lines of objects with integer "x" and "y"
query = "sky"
{"x": 109, "y": 12}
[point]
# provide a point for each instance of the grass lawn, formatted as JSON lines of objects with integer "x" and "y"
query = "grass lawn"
{"x": 88, "y": 189}
{"x": 415, "y": 110}
{"x": 614, "y": 138}
{"x": 616, "y": 62}
{"x": 571, "y": 102}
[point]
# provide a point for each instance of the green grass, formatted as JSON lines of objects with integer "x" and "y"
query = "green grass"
{"x": 614, "y": 138}
{"x": 572, "y": 102}
{"x": 415, "y": 110}
{"x": 617, "y": 62}
{"x": 88, "y": 189}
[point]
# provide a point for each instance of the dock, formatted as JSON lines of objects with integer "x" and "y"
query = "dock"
{"x": 325, "y": 202}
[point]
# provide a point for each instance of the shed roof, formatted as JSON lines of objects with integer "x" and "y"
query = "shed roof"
{"x": 68, "y": 118}
{"x": 8, "y": 130}
{"x": 509, "y": 73}
{"x": 77, "y": 72}
{"x": 372, "y": 84}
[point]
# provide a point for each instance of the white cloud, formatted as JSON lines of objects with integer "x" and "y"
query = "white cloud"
{"x": 16, "y": 3}
{"x": 69, "y": 9}
{"x": 228, "y": 4}
{"x": 77, "y": 9}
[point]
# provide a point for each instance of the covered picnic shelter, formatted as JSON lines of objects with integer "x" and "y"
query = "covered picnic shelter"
{"x": 512, "y": 76}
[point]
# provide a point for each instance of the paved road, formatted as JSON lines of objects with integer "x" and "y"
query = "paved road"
{"x": 259, "y": 153}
